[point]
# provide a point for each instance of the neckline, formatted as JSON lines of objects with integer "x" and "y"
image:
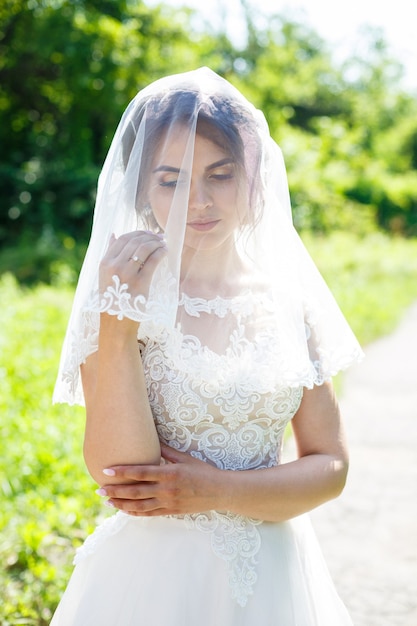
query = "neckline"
{"x": 217, "y": 298}
{"x": 242, "y": 304}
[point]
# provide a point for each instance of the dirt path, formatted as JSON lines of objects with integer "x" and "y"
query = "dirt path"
{"x": 369, "y": 535}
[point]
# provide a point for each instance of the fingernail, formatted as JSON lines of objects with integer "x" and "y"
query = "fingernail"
{"x": 110, "y": 504}
{"x": 101, "y": 492}
{"x": 109, "y": 472}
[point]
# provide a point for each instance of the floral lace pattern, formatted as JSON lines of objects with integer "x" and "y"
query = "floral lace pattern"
{"x": 116, "y": 300}
{"x": 236, "y": 540}
{"x": 222, "y": 408}
{"x": 312, "y": 354}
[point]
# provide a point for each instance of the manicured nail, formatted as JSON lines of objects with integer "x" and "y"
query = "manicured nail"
{"x": 101, "y": 492}
{"x": 110, "y": 504}
{"x": 109, "y": 472}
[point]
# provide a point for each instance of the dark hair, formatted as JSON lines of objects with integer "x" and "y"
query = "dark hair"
{"x": 220, "y": 119}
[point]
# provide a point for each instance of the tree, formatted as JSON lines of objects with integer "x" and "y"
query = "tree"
{"x": 68, "y": 70}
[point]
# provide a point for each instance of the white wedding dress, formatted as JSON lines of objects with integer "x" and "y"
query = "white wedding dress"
{"x": 221, "y": 405}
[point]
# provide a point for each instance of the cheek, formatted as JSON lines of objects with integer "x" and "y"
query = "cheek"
{"x": 236, "y": 203}
{"x": 160, "y": 203}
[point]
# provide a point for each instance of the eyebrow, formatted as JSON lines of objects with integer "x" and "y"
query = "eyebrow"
{"x": 165, "y": 168}
{"x": 225, "y": 161}
{"x": 212, "y": 166}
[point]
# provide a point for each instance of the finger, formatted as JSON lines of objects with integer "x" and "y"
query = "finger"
{"x": 117, "y": 244}
{"x": 148, "y": 264}
{"x": 140, "y": 248}
{"x": 137, "y": 473}
{"x": 175, "y": 456}
{"x": 137, "y": 507}
{"x": 127, "y": 243}
{"x": 143, "y": 247}
{"x": 153, "y": 513}
{"x": 172, "y": 455}
{"x": 139, "y": 256}
{"x": 135, "y": 491}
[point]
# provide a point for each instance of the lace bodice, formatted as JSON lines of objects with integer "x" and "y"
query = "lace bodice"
{"x": 220, "y": 404}
{"x": 221, "y": 408}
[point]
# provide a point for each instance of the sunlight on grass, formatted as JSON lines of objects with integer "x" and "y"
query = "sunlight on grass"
{"x": 373, "y": 279}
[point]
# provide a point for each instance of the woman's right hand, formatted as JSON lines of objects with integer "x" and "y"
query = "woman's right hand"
{"x": 133, "y": 257}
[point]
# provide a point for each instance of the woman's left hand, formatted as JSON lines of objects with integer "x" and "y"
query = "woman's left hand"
{"x": 181, "y": 485}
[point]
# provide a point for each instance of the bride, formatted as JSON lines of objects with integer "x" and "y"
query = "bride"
{"x": 200, "y": 329}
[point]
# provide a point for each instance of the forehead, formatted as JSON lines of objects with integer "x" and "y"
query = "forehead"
{"x": 173, "y": 148}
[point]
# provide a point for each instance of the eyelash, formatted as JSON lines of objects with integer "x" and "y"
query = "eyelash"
{"x": 221, "y": 176}
{"x": 217, "y": 177}
{"x": 171, "y": 183}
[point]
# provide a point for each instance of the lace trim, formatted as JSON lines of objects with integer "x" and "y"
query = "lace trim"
{"x": 242, "y": 305}
{"x": 236, "y": 540}
{"x": 295, "y": 367}
{"x": 111, "y": 526}
{"x": 116, "y": 300}
{"x": 158, "y": 308}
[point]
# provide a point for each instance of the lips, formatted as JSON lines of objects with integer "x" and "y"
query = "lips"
{"x": 203, "y": 225}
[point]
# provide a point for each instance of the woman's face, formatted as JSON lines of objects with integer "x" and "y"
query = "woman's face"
{"x": 216, "y": 202}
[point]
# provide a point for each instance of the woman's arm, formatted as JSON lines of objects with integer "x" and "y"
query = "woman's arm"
{"x": 187, "y": 485}
{"x": 318, "y": 475}
{"x": 119, "y": 422}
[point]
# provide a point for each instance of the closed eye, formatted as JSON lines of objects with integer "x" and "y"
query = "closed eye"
{"x": 222, "y": 176}
{"x": 168, "y": 183}
{"x": 222, "y": 171}
{"x": 171, "y": 182}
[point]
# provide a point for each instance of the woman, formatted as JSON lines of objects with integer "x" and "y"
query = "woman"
{"x": 201, "y": 327}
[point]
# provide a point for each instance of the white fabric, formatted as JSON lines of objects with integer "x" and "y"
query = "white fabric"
{"x": 161, "y": 571}
{"x": 266, "y": 244}
{"x": 212, "y": 567}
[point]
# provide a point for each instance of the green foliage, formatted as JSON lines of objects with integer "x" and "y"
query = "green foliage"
{"x": 348, "y": 134}
{"x": 69, "y": 68}
{"x": 67, "y": 71}
{"x": 48, "y": 500}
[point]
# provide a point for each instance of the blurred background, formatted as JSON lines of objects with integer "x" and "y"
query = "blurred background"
{"x": 344, "y": 111}
{"x": 339, "y": 90}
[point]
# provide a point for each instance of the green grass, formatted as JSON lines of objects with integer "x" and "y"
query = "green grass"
{"x": 373, "y": 279}
{"x": 48, "y": 499}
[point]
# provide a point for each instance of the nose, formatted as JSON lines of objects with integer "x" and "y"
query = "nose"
{"x": 200, "y": 198}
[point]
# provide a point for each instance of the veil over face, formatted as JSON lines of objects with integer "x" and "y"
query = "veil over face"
{"x": 194, "y": 160}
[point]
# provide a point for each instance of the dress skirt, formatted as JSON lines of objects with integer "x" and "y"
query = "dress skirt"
{"x": 172, "y": 571}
